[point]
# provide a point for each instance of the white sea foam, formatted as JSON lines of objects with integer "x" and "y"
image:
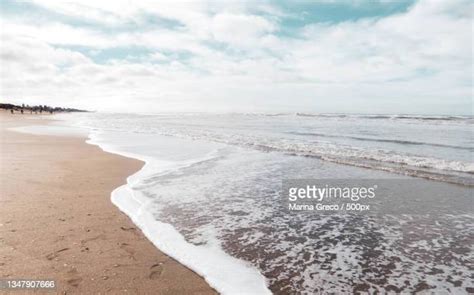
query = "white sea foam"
{"x": 426, "y": 149}
{"x": 223, "y": 272}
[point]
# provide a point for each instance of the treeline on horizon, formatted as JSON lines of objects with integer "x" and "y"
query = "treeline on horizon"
{"x": 37, "y": 108}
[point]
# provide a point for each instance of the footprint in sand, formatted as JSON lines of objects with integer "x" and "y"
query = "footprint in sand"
{"x": 55, "y": 254}
{"x": 155, "y": 271}
{"x": 75, "y": 280}
{"x": 130, "y": 229}
{"x": 129, "y": 250}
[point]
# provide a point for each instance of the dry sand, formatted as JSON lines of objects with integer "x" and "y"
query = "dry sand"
{"x": 57, "y": 220}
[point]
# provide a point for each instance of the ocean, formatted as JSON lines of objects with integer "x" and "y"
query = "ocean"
{"x": 210, "y": 195}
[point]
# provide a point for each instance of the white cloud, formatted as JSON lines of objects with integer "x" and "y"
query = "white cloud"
{"x": 240, "y": 30}
{"x": 237, "y": 60}
{"x": 55, "y": 33}
{"x": 158, "y": 56}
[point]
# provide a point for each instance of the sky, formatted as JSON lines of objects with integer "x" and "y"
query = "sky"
{"x": 326, "y": 56}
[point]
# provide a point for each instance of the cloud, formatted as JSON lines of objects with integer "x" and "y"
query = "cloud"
{"x": 235, "y": 57}
{"x": 158, "y": 56}
{"x": 239, "y": 30}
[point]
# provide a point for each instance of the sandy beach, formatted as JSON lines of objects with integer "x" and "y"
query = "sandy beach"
{"x": 57, "y": 220}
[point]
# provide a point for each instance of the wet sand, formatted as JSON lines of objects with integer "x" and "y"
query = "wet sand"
{"x": 57, "y": 220}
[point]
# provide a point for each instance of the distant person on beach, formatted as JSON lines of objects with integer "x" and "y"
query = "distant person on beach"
{"x": 11, "y": 111}
{"x": 21, "y": 111}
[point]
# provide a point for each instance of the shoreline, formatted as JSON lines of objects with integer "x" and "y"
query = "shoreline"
{"x": 88, "y": 248}
{"x": 211, "y": 263}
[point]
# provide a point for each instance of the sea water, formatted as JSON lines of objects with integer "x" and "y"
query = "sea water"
{"x": 209, "y": 195}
